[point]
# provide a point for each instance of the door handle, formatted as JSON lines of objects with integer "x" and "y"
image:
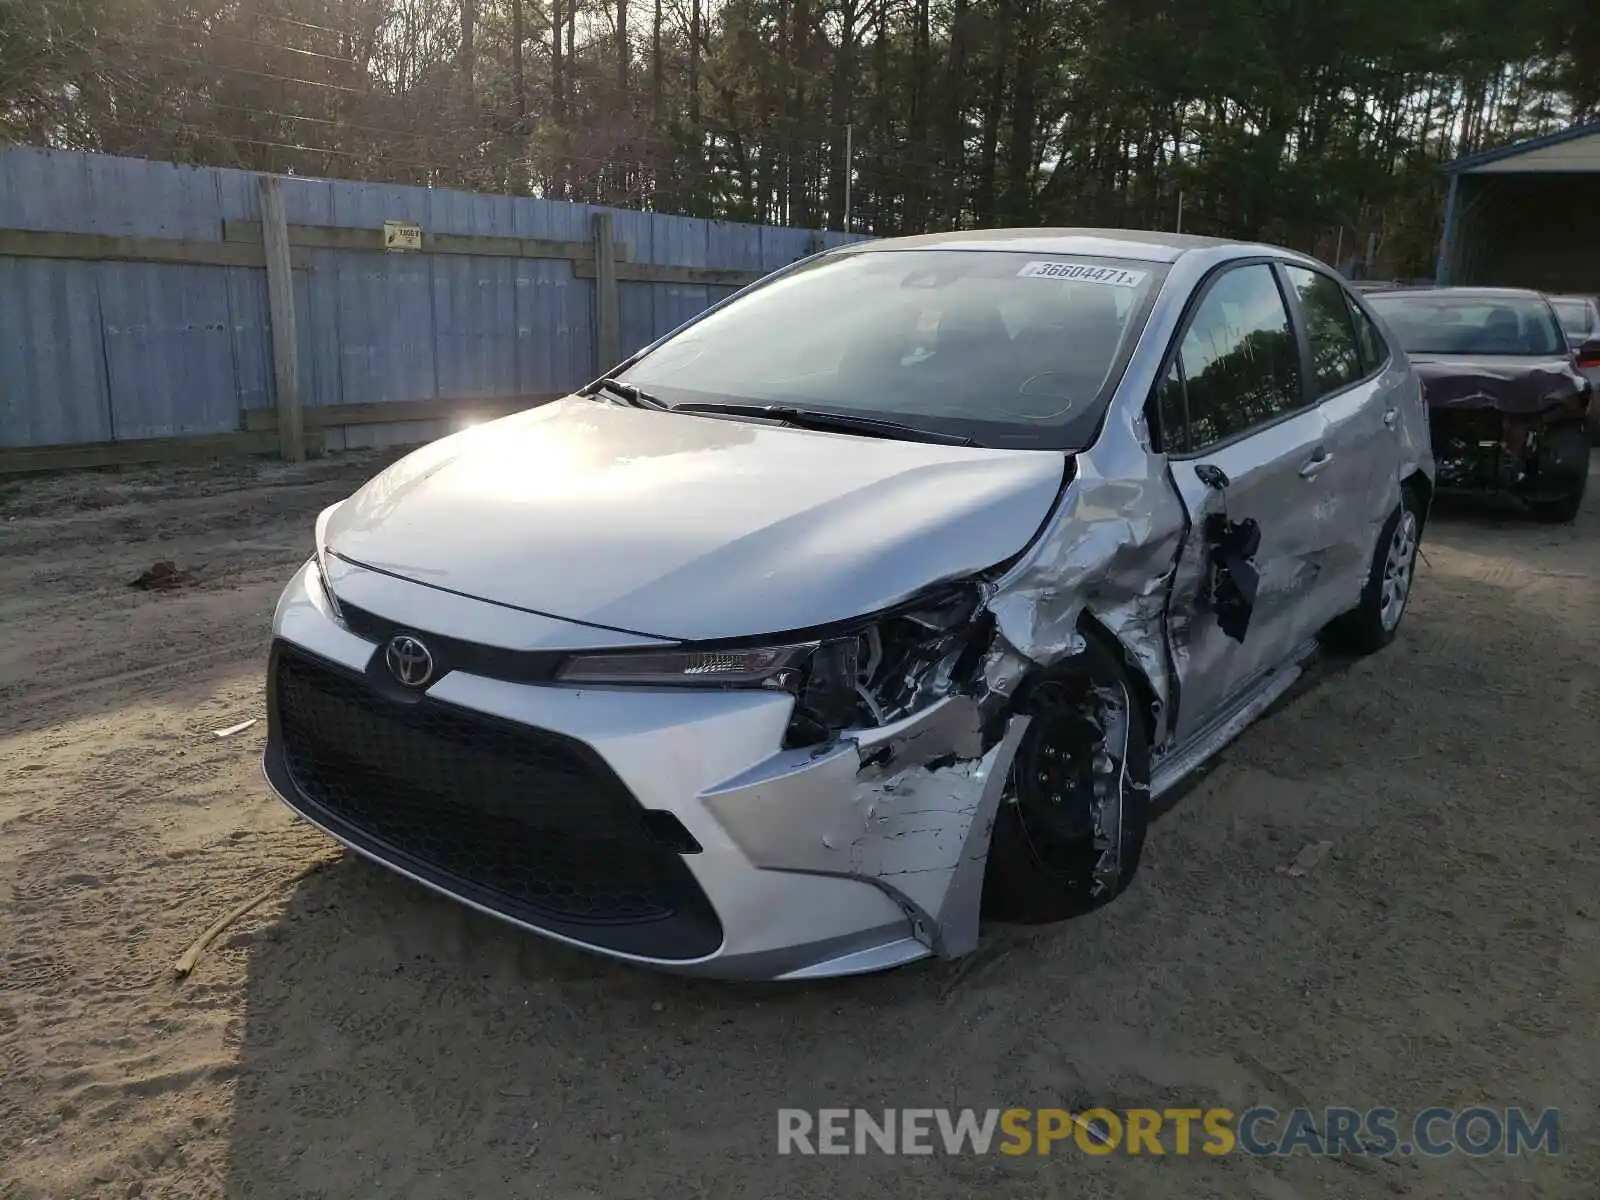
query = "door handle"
{"x": 1390, "y": 417}
{"x": 1319, "y": 459}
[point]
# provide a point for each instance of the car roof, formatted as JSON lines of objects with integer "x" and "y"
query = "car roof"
{"x": 1142, "y": 244}
{"x": 1469, "y": 293}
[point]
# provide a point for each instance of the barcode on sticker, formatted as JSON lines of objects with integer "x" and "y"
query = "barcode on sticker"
{"x": 1083, "y": 273}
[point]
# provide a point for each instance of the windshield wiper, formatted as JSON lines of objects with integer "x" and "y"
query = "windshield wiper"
{"x": 805, "y": 418}
{"x": 637, "y": 397}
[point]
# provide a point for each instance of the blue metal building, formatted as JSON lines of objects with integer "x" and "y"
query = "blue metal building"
{"x": 1526, "y": 215}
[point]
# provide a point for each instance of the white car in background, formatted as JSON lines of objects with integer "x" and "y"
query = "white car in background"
{"x": 1580, "y": 321}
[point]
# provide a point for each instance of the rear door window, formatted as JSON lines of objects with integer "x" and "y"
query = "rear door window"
{"x": 1240, "y": 360}
{"x": 1575, "y": 316}
{"x": 1335, "y": 353}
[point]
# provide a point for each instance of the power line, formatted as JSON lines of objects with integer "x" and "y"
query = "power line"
{"x": 333, "y": 123}
{"x": 305, "y": 24}
{"x": 633, "y": 155}
{"x": 548, "y": 178}
{"x": 250, "y": 41}
{"x": 212, "y": 65}
{"x": 433, "y": 165}
{"x": 555, "y": 169}
{"x": 639, "y": 141}
{"x": 186, "y": 130}
{"x": 834, "y": 133}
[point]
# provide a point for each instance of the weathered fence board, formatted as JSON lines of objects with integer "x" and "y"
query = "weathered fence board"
{"x": 95, "y": 247}
{"x": 337, "y": 237}
{"x": 161, "y": 324}
{"x": 52, "y": 354}
{"x": 134, "y": 310}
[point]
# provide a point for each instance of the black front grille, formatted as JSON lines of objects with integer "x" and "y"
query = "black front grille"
{"x": 521, "y": 820}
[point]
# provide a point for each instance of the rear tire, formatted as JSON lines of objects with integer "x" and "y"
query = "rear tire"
{"x": 1556, "y": 512}
{"x": 1042, "y": 854}
{"x": 1372, "y": 624}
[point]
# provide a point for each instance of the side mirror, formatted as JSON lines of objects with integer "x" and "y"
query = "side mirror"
{"x": 1588, "y": 353}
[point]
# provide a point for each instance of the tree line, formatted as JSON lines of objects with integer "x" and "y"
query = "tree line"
{"x": 1314, "y": 124}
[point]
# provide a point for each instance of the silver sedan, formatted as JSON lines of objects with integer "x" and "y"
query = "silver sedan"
{"x": 889, "y": 591}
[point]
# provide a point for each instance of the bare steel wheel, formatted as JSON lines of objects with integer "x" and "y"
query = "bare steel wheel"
{"x": 1072, "y": 823}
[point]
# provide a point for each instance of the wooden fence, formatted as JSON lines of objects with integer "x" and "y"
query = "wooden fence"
{"x": 151, "y": 311}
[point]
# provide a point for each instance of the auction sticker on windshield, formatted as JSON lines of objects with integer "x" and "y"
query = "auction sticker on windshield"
{"x": 1083, "y": 273}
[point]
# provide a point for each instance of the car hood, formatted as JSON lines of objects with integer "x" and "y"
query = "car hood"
{"x": 1510, "y": 384}
{"x": 690, "y": 527}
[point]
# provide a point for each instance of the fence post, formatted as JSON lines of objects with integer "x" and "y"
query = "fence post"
{"x": 607, "y": 336}
{"x": 280, "y": 304}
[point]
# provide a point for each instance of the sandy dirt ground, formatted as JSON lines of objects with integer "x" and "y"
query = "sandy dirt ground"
{"x": 357, "y": 1036}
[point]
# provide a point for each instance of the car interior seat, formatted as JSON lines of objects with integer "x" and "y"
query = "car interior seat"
{"x": 881, "y": 343}
{"x": 971, "y": 332}
{"x": 1502, "y": 332}
{"x": 1073, "y": 343}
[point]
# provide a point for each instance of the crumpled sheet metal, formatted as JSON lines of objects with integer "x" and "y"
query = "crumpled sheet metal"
{"x": 920, "y": 832}
{"x": 1522, "y": 388}
{"x": 1109, "y": 551}
{"x": 878, "y": 809}
{"x": 1110, "y": 771}
{"x": 950, "y": 726}
{"x": 927, "y": 842}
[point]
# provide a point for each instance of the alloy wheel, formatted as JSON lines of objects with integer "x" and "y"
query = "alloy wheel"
{"x": 1398, "y": 569}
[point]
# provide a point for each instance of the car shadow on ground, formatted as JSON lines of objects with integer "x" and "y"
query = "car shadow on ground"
{"x": 394, "y": 1042}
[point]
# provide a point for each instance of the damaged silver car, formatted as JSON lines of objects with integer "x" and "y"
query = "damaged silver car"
{"x": 891, "y": 590}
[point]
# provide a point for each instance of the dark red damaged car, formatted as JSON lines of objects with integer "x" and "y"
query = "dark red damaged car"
{"x": 1507, "y": 405}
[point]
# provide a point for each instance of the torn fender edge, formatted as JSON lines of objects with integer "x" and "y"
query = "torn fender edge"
{"x": 915, "y": 823}
{"x": 1110, "y": 553}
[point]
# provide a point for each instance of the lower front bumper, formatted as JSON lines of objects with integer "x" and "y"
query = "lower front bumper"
{"x": 847, "y": 954}
{"x": 1486, "y": 450}
{"x": 807, "y": 864}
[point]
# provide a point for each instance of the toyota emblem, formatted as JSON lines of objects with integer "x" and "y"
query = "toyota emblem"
{"x": 409, "y": 660}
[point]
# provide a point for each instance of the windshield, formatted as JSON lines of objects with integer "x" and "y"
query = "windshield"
{"x": 1440, "y": 323}
{"x": 1014, "y": 349}
{"x": 1574, "y": 315}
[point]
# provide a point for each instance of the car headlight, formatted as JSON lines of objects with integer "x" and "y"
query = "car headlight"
{"x": 881, "y": 671}
{"x": 759, "y": 666}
